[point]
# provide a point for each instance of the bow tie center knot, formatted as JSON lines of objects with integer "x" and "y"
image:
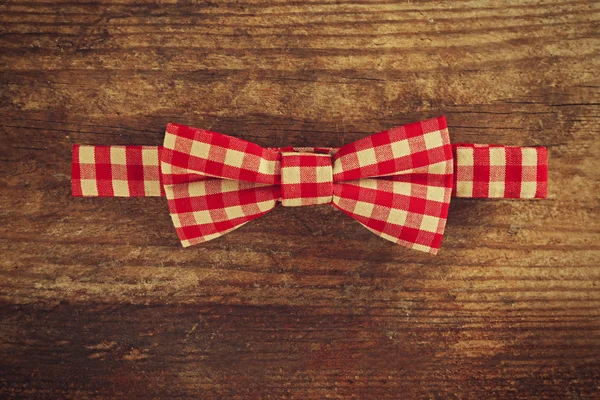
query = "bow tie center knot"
{"x": 306, "y": 179}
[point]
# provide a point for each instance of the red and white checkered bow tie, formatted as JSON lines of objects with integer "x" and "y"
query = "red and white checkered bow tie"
{"x": 397, "y": 183}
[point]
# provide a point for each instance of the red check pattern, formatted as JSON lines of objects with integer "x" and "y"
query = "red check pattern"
{"x": 492, "y": 171}
{"x": 396, "y": 183}
{"x": 196, "y": 154}
{"x": 306, "y": 179}
{"x": 204, "y": 210}
{"x": 123, "y": 171}
{"x": 215, "y": 183}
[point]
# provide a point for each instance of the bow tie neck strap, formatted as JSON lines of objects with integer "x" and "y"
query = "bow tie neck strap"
{"x": 116, "y": 171}
{"x": 480, "y": 171}
{"x": 495, "y": 171}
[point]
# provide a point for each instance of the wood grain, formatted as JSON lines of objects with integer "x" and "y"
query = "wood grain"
{"x": 98, "y": 300}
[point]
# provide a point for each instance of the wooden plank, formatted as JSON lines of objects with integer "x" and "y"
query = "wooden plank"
{"x": 98, "y": 299}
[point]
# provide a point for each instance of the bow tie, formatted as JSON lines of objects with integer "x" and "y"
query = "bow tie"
{"x": 397, "y": 183}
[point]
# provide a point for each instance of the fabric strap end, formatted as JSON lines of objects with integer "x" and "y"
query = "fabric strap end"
{"x": 115, "y": 171}
{"x": 496, "y": 171}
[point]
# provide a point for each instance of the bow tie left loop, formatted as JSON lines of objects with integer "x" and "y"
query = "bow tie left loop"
{"x": 216, "y": 183}
{"x": 197, "y": 154}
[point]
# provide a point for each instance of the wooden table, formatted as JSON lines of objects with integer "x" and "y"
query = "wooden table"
{"x": 99, "y": 300}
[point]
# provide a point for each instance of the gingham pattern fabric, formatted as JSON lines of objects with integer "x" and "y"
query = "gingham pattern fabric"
{"x": 123, "y": 171}
{"x": 215, "y": 183}
{"x": 397, "y": 183}
{"x": 492, "y": 171}
{"x": 306, "y": 179}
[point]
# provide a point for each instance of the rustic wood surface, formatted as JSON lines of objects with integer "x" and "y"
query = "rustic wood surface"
{"x": 99, "y": 300}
